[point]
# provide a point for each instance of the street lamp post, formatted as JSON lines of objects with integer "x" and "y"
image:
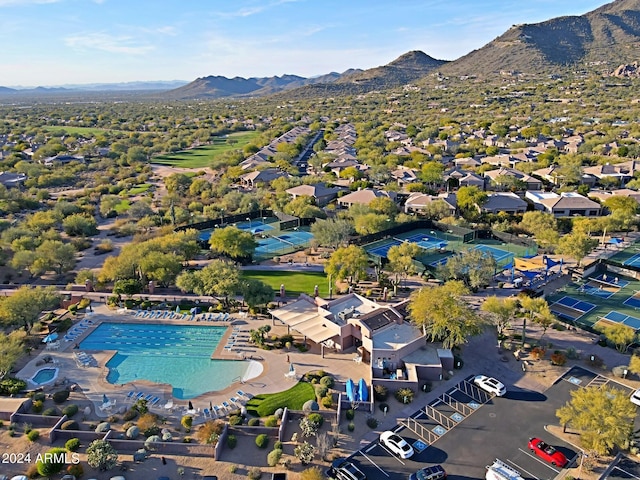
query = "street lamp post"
{"x": 581, "y": 460}
{"x": 222, "y": 216}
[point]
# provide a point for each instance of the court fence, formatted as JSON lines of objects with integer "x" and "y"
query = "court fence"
{"x": 510, "y": 238}
{"x": 225, "y": 221}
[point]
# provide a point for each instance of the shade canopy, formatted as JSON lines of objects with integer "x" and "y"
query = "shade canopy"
{"x": 50, "y": 338}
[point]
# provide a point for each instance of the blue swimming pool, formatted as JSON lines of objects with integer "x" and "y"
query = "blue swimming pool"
{"x": 45, "y": 375}
{"x": 179, "y": 355}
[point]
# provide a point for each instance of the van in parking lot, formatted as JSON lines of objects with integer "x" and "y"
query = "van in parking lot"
{"x": 501, "y": 471}
{"x": 345, "y": 470}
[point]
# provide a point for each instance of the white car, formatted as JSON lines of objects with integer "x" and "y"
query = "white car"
{"x": 396, "y": 444}
{"x": 490, "y": 385}
{"x": 635, "y": 397}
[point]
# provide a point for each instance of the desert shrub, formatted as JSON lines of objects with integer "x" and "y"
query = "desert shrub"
{"x": 327, "y": 381}
{"x": 210, "y": 431}
{"x": 321, "y": 391}
{"x": 73, "y": 444}
{"x": 380, "y": 392}
{"x": 33, "y": 435}
{"x": 132, "y": 432}
{"x": 404, "y": 395}
{"x": 349, "y": 414}
{"x": 130, "y": 415}
{"x": 351, "y": 426}
{"x": 372, "y": 422}
{"x": 232, "y": 441}
{"x": 49, "y": 465}
{"x": 32, "y": 471}
{"x": 51, "y": 412}
{"x": 262, "y": 440}
{"x": 37, "y": 406}
{"x": 254, "y": 473}
{"x": 235, "y": 420}
{"x": 233, "y": 468}
{"x": 39, "y": 396}
{"x": 103, "y": 427}
{"x": 313, "y": 473}
{"x": 274, "y": 457}
{"x": 327, "y": 402}
{"x": 271, "y": 421}
{"x": 278, "y": 413}
{"x": 253, "y": 422}
{"x": 316, "y": 418}
{"x": 148, "y": 424}
{"x": 11, "y": 386}
{"x": 277, "y": 445}
{"x": 187, "y": 422}
{"x": 70, "y": 425}
{"x": 60, "y": 396}
{"x": 70, "y": 410}
{"x": 558, "y": 358}
{"x": 538, "y": 353}
{"x": 76, "y": 470}
{"x": 384, "y": 407}
{"x": 572, "y": 353}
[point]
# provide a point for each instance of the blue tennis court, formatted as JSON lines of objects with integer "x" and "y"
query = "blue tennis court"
{"x": 612, "y": 280}
{"x": 254, "y": 226}
{"x": 441, "y": 261}
{"x": 633, "y": 301}
{"x": 627, "y": 320}
{"x": 497, "y": 253}
{"x": 571, "y": 309}
{"x": 295, "y": 238}
{"x": 423, "y": 241}
{"x": 382, "y": 250}
{"x": 633, "y": 261}
{"x": 591, "y": 288}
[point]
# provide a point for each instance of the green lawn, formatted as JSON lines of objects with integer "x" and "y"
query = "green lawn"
{"x": 138, "y": 189}
{"x": 264, "y": 405}
{"x": 295, "y": 283}
{"x": 202, "y": 156}
{"x": 122, "y": 207}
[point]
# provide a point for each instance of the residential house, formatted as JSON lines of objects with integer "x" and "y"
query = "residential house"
{"x": 253, "y": 179}
{"x": 405, "y": 175}
{"x": 456, "y": 177}
{"x": 62, "y": 159}
{"x": 321, "y": 194}
{"x": 12, "y": 179}
{"x": 506, "y": 202}
{"x": 604, "y": 195}
{"x": 417, "y": 202}
{"x": 529, "y": 182}
{"x": 565, "y": 204}
{"x": 620, "y": 171}
{"x": 553, "y": 175}
{"x": 364, "y": 197}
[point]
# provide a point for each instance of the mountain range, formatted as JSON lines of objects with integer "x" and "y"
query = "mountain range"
{"x": 600, "y": 40}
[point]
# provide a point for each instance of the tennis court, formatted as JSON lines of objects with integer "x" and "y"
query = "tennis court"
{"x": 617, "y": 317}
{"x": 571, "y": 309}
{"x": 633, "y": 300}
{"x": 610, "y": 280}
{"x": 254, "y": 226}
{"x": 424, "y": 241}
{"x": 633, "y": 261}
{"x": 497, "y": 253}
{"x": 284, "y": 243}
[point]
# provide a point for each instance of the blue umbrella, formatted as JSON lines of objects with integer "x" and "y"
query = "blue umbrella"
{"x": 363, "y": 392}
{"x": 291, "y": 367}
{"x": 350, "y": 388}
{"x": 105, "y": 399}
{"x": 50, "y": 338}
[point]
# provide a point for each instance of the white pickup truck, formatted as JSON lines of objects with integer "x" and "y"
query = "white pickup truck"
{"x": 501, "y": 471}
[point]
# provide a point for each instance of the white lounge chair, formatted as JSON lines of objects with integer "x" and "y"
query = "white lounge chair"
{"x": 169, "y": 405}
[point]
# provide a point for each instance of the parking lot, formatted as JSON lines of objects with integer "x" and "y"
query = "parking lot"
{"x": 466, "y": 429}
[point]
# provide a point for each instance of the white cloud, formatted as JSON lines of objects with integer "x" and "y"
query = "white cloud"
{"x": 254, "y": 10}
{"x": 107, "y": 43}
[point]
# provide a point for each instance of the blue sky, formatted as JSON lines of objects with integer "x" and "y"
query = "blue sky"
{"x": 58, "y": 42}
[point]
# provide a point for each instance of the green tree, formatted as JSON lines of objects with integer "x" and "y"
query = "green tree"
{"x": 177, "y": 183}
{"x": 634, "y": 364}
{"x": 384, "y": 206}
{"x": 313, "y": 473}
{"x": 620, "y": 335}
{"x": 11, "y": 349}
{"x": 619, "y": 203}
{"x": 332, "y": 232}
{"x": 401, "y": 260}
{"x": 470, "y": 199}
{"x": 162, "y": 268}
{"x": 431, "y": 173}
{"x": 127, "y": 287}
{"x": 233, "y": 242}
{"x": 437, "y": 210}
{"x": 24, "y": 306}
{"x": 79, "y": 224}
{"x": 442, "y": 314}
{"x": 54, "y": 255}
{"x": 475, "y": 268}
{"x": 256, "y": 293}
{"x": 347, "y": 263}
{"x": 219, "y": 278}
{"x": 372, "y": 223}
{"x": 604, "y": 415}
{"x": 543, "y": 226}
{"x": 101, "y": 455}
{"x": 532, "y": 308}
{"x": 576, "y": 245}
{"x": 502, "y": 310}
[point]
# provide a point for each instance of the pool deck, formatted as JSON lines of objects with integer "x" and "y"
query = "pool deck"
{"x": 268, "y": 367}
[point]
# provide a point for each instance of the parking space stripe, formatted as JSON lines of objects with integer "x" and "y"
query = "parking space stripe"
{"x": 374, "y": 463}
{"x": 518, "y": 467}
{"x": 539, "y": 460}
{"x": 390, "y": 453}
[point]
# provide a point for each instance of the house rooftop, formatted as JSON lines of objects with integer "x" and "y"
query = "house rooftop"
{"x": 395, "y": 336}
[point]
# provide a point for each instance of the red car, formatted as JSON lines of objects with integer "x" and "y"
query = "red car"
{"x": 547, "y": 452}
